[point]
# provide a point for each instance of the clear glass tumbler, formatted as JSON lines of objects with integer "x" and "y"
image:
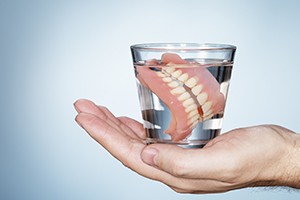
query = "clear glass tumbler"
{"x": 182, "y": 90}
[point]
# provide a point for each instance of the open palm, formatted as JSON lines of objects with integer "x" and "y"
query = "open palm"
{"x": 254, "y": 156}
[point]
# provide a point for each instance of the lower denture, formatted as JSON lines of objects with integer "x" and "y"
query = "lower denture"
{"x": 190, "y": 92}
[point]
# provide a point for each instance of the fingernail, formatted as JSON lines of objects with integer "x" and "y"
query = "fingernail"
{"x": 148, "y": 155}
{"x": 76, "y": 108}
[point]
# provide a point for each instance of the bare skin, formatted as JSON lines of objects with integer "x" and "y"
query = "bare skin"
{"x": 265, "y": 155}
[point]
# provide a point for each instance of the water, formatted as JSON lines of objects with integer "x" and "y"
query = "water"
{"x": 156, "y": 99}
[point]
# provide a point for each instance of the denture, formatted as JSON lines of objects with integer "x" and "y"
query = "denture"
{"x": 190, "y": 91}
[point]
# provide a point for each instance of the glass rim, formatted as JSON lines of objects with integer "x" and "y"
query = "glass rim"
{"x": 182, "y": 46}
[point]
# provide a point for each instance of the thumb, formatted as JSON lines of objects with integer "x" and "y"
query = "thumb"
{"x": 174, "y": 160}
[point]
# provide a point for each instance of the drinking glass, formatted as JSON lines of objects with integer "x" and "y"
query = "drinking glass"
{"x": 182, "y": 89}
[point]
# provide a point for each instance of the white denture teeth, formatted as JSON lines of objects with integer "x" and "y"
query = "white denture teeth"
{"x": 173, "y": 84}
{"x": 192, "y": 113}
{"x": 178, "y": 90}
{"x": 169, "y": 70}
{"x": 197, "y": 89}
{"x": 188, "y": 102}
{"x": 184, "y": 77}
{"x": 190, "y": 108}
{"x": 206, "y": 106}
{"x": 167, "y": 79}
{"x": 176, "y": 73}
{"x": 191, "y": 82}
{"x": 193, "y": 119}
{"x": 180, "y": 83}
{"x": 201, "y": 98}
{"x": 184, "y": 96}
{"x": 209, "y": 112}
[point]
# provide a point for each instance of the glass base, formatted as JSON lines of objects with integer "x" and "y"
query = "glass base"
{"x": 187, "y": 144}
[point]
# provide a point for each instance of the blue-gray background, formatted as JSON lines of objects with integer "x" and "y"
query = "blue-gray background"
{"x": 54, "y": 52}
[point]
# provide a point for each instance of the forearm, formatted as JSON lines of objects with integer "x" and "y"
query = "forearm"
{"x": 283, "y": 167}
{"x": 292, "y": 175}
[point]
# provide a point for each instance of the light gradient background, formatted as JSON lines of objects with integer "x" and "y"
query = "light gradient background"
{"x": 54, "y": 52}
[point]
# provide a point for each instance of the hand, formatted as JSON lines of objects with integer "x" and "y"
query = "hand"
{"x": 256, "y": 156}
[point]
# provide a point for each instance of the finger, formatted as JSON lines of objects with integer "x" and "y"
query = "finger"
{"x": 185, "y": 163}
{"x": 204, "y": 187}
{"x": 108, "y": 136}
{"x": 135, "y": 126}
{"x": 122, "y": 147}
{"x": 87, "y": 106}
{"x": 109, "y": 114}
{"x": 123, "y": 126}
